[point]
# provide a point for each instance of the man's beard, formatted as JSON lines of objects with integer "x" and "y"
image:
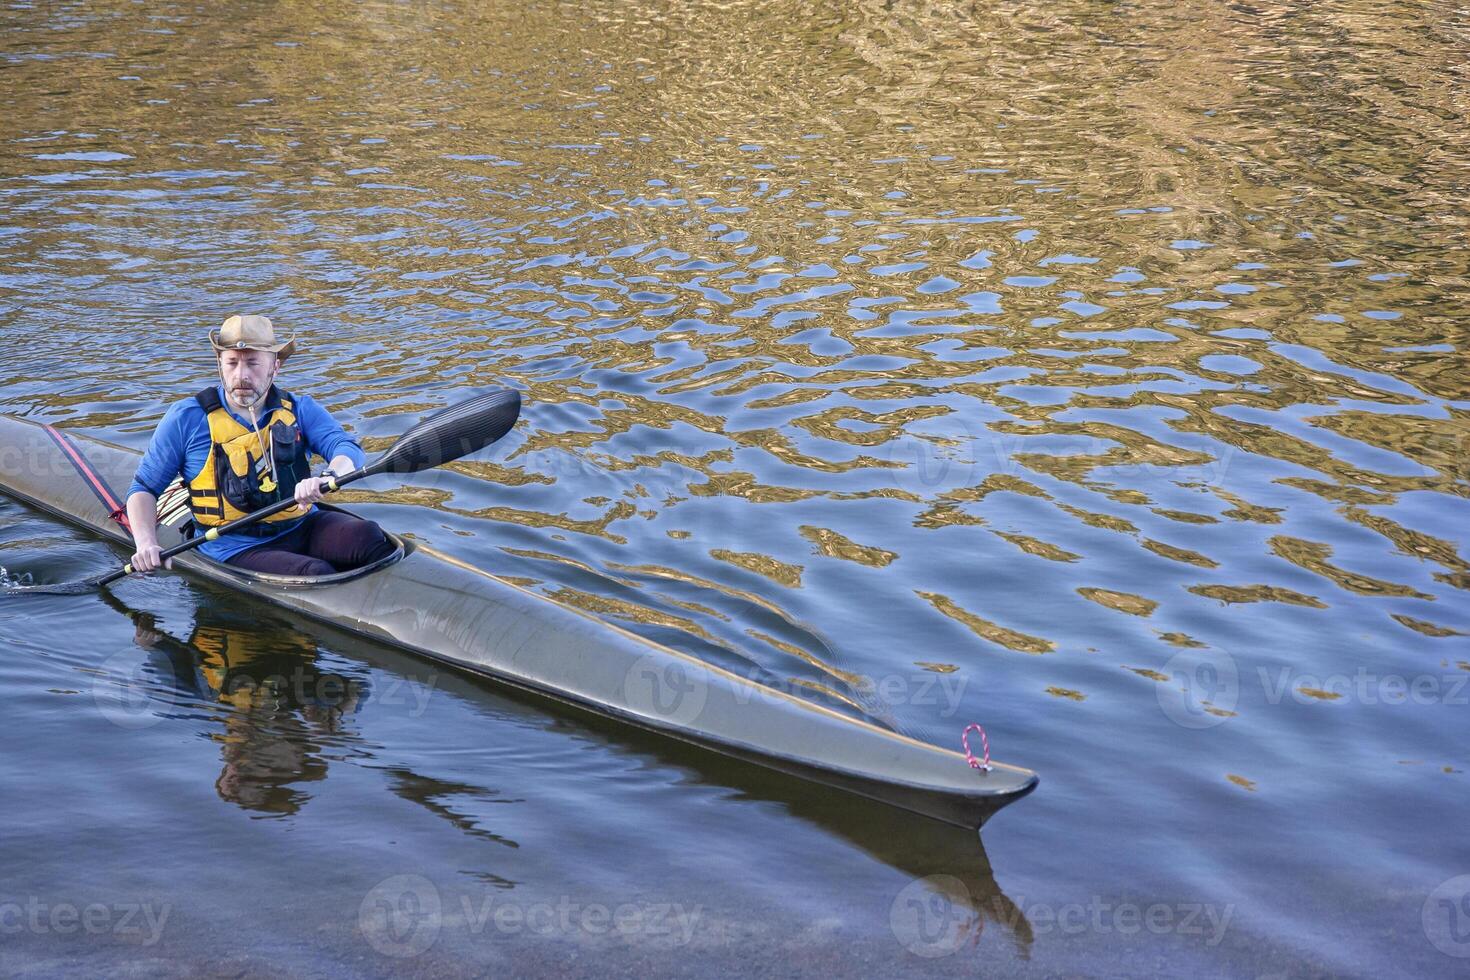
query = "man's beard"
{"x": 245, "y": 397}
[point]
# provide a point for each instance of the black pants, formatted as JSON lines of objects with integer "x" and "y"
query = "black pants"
{"x": 325, "y": 542}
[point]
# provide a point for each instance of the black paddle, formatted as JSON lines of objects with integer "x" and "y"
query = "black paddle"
{"x": 441, "y": 438}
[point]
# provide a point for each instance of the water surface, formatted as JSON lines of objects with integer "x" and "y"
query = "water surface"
{"x": 1093, "y": 371}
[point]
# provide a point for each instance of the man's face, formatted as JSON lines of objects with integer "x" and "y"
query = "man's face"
{"x": 247, "y": 374}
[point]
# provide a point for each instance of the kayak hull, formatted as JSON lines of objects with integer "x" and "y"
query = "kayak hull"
{"x": 439, "y": 607}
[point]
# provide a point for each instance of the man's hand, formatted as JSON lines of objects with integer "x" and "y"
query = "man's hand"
{"x": 145, "y": 633}
{"x": 309, "y": 491}
{"x": 148, "y": 557}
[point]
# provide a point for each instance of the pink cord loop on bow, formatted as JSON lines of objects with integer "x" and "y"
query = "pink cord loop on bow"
{"x": 982, "y": 764}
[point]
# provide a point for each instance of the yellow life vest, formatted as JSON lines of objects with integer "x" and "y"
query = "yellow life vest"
{"x": 224, "y": 664}
{"x": 244, "y": 669}
{"x": 237, "y": 477}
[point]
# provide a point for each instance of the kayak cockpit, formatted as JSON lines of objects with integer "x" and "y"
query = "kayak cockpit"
{"x": 401, "y": 547}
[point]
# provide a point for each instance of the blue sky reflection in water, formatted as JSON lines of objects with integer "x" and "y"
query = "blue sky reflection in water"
{"x": 1096, "y": 372}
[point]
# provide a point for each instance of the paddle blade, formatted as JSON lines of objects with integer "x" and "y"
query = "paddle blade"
{"x": 452, "y": 433}
{"x": 10, "y": 586}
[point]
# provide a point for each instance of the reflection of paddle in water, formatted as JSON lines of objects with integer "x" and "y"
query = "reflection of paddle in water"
{"x": 281, "y": 710}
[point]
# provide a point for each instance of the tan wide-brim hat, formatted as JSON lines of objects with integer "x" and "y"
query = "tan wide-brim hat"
{"x": 251, "y": 332}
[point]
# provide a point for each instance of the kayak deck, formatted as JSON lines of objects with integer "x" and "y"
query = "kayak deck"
{"x": 439, "y": 607}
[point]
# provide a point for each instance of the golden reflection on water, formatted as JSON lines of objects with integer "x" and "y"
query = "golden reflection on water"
{"x": 1010, "y": 319}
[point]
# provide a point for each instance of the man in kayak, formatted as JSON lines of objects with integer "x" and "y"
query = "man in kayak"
{"x": 243, "y": 444}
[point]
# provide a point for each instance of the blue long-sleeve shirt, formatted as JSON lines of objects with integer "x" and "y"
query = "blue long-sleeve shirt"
{"x": 180, "y": 446}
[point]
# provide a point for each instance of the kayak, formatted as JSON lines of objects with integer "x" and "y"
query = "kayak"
{"x": 439, "y": 607}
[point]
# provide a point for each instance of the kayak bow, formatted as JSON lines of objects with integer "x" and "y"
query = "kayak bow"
{"x": 437, "y": 606}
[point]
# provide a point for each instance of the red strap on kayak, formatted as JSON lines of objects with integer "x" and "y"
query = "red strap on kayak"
{"x": 984, "y": 742}
{"x": 115, "y": 510}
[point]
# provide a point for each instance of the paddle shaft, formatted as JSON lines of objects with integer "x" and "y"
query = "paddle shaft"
{"x": 333, "y": 483}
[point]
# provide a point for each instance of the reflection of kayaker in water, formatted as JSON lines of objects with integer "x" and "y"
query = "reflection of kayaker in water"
{"x": 280, "y": 709}
{"x": 242, "y": 445}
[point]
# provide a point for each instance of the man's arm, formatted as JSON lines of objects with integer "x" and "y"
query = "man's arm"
{"x": 329, "y": 440}
{"x": 163, "y": 461}
{"x": 143, "y": 516}
{"x": 325, "y": 436}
